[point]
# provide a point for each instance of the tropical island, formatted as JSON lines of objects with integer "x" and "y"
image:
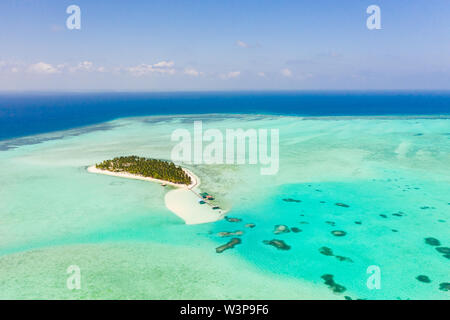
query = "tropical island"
{"x": 185, "y": 201}
{"x": 151, "y": 168}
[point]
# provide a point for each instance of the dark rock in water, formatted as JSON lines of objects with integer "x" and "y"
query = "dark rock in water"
{"x": 291, "y": 200}
{"x": 424, "y": 207}
{"x": 229, "y": 245}
{"x": 324, "y": 202}
{"x": 446, "y": 255}
{"x": 347, "y": 298}
{"x": 229, "y": 234}
{"x": 279, "y": 244}
{"x": 296, "y": 230}
{"x": 397, "y": 214}
{"x": 338, "y": 233}
{"x": 444, "y": 286}
{"x": 233, "y": 219}
{"x": 281, "y": 228}
{"x": 326, "y": 251}
{"x": 423, "y": 278}
{"x": 394, "y": 230}
{"x": 358, "y": 222}
{"x": 445, "y": 250}
{"x": 432, "y": 241}
{"x": 342, "y": 258}
{"x": 329, "y": 281}
{"x": 418, "y": 134}
{"x": 342, "y": 205}
{"x": 250, "y": 225}
{"x": 331, "y": 223}
{"x": 383, "y": 215}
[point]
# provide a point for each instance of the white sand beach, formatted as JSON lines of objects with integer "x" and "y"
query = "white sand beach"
{"x": 194, "y": 178}
{"x": 182, "y": 201}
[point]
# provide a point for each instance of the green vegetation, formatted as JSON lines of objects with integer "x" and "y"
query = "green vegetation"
{"x": 153, "y": 168}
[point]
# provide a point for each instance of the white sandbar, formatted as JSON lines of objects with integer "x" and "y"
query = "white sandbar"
{"x": 182, "y": 201}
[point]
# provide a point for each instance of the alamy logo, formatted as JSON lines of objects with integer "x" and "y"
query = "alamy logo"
{"x": 74, "y": 20}
{"x": 374, "y": 280}
{"x": 74, "y": 280}
{"x": 228, "y": 148}
{"x": 374, "y": 20}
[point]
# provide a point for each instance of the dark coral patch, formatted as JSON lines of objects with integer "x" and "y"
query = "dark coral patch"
{"x": 296, "y": 230}
{"x": 230, "y": 233}
{"x": 432, "y": 241}
{"x": 444, "y": 250}
{"x": 279, "y": 244}
{"x": 342, "y": 258}
{"x": 229, "y": 245}
{"x": 326, "y": 251}
{"x": 383, "y": 215}
{"x": 444, "y": 286}
{"x": 292, "y": 200}
{"x": 398, "y": 214}
{"x": 340, "y": 204}
{"x": 423, "y": 278}
{"x": 229, "y": 219}
{"x": 358, "y": 222}
{"x": 338, "y": 233}
{"x": 281, "y": 228}
{"x": 329, "y": 281}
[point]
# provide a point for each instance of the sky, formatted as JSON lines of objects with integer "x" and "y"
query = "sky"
{"x": 184, "y": 45}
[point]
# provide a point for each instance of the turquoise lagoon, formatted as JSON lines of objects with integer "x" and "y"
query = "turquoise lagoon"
{"x": 393, "y": 173}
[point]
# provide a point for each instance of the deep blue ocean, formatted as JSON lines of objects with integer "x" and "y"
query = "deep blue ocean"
{"x": 23, "y": 114}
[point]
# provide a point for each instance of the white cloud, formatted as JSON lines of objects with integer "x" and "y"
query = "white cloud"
{"x": 82, "y": 66}
{"x": 192, "y": 72}
{"x": 164, "y": 64}
{"x": 286, "y": 72}
{"x": 242, "y": 44}
{"x": 162, "y": 67}
{"x": 232, "y": 74}
{"x": 261, "y": 74}
{"x": 43, "y": 68}
{"x": 85, "y": 66}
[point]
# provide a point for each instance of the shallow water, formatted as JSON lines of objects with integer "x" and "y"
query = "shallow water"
{"x": 53, "y": 213}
